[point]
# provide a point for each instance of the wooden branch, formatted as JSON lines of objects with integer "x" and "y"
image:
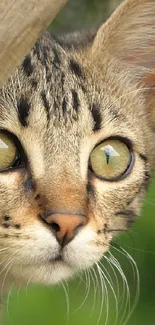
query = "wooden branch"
{"x": 21, "y": 23}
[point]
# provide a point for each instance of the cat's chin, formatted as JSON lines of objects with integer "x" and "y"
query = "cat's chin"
{"x": 49, "y": 273}
{"x": 52, "y": 271}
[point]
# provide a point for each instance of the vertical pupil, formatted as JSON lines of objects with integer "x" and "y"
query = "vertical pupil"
{"x": 107, "y": 157}
{"x": 107, "y": 154}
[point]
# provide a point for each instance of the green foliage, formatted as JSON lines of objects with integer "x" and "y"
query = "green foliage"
{"x": 79, "y": 14}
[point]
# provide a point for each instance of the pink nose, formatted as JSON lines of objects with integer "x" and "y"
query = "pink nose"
{"x": 66, "y": 226}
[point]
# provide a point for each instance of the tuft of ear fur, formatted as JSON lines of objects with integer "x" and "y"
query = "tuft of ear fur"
{"x": 128, "y": 37}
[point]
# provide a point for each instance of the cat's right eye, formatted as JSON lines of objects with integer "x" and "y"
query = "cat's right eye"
{"x": 111, "y": 160}
{"x": 8, "y": 151}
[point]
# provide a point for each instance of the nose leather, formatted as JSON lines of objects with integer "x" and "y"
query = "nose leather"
{"x": 66, "y": 226}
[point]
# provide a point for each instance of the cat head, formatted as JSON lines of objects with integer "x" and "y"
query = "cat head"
{"x": 76, "y": 146}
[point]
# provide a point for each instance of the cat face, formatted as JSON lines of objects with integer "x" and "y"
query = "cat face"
{"x": 76, "y": 147}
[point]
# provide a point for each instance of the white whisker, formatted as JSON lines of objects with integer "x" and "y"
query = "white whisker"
{"x": 27, "y": 284}
{"x": 126, "y": 290}
{"x": 136, "y": 278}
{"x": 87, "y": 291}
{"x": 104, "y": 296}
{"x": 8, "y": 300}
{"x": 115, "y": 276}
{"x": 65, "y": 288}
{"x": 5, "y": 276}
{"x": 18, "y": 292}
{"x": 9, "y": 261}
{"x": 112, "y": 289}
{"x": 95, "y": 288}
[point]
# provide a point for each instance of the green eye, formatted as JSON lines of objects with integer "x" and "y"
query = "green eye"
{"x": 8, "y": 151}
{"x": 110, "y": 160}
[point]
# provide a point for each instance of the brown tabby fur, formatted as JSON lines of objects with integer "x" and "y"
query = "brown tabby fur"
{"x": 63, "y": 100}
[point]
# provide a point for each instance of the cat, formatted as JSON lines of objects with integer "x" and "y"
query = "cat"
{"x": 77, "y": 131}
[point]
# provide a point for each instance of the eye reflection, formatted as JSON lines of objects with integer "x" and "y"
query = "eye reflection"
{"x": 3, "y": 145}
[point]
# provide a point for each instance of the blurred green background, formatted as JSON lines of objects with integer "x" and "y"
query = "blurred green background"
{"x": 58, "y": 305}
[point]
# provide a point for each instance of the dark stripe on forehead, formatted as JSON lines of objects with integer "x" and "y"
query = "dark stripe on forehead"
{"x": 48, "y": 76}
{"x": 34, "y": 84}
{"x": 64, "y": 106}
{"x": 56, "y": 60}
{"x": 41, "y": 52}
{"x": 95, "y": 110}
{"x": 23, "y": 108}
{"x": 76, "y": 69}
{"x": 83, "y": 88}
{"x": 75, "y": 100}
{"x": 62, "y": 79}
{"x": 28, "y": 66}
{"x": 45, "y": 103}
{"x": 37, "y": 50}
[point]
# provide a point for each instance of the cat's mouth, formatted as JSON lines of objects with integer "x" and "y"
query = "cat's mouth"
{"x": 58, "y": 258}
{"x": 49, "y": 263}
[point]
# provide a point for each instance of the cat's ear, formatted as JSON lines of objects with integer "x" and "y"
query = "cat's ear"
{"x": 129, "y": 38}
{"x": 129, "y": 33}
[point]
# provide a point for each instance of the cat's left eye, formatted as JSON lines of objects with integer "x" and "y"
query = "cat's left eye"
{"x": 9, "y": 156}
{"x": 111, "y": 160}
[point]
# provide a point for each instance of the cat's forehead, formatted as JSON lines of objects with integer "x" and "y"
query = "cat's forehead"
{"x": 56, "y": 92}
{"x": 48, "y": 89}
